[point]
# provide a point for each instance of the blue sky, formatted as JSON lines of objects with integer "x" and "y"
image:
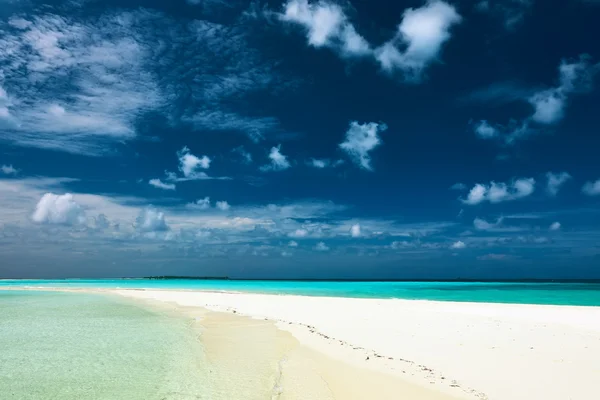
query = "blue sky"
{"x": 374, "y": 139}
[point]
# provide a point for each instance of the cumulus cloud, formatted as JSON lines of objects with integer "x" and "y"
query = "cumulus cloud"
{"x": 421, "y": 33}
{"x": 292, "y": 243}
{"x": 222, "y": 205}
{"x": 157, "y": 183}
{"x": 326, "y": 25}
{"x": 58, "y": 209}
{"x": 555, "y": 226}
{"x": 361, "y": 139}
{"x": 555, "y": 182}
{"x": 201, "y": 204}
{"x": 417, "y": 43}
{"x": 497, "y": 192}
{"x": 321, "y": 246}
{"x": 591, "y": 188}
{"x": 355, "y": 230}
{"x": 8, "y": 170}
{"x": 279, "y": 162}
{"x": 458, "y": 245}
{"x": 548, "y": 105}
{"x": 151, "y": 220}
{"x": 189, "y": 163}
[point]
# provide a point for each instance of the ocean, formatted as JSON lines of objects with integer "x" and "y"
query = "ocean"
{"x": 579, "y": 294}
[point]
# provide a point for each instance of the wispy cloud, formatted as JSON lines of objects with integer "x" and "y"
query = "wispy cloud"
{"x": 555, "y": 182}
{"x": 8, "y": 170}
{"x": 86, "y": 82}
{"x": 216, "y": 120}
{"x": 157, "y": 183}
{"x": 321, "y": 246}
{"x": 417, "y": 43}
{"x": 497, "y": 192}
{"x": 361, "y": 139}
{"x": 511, "y": 12}
{"x": 321, "y": 163}
{"x": 549, "y": 105}
{"x": 81, "y": 84}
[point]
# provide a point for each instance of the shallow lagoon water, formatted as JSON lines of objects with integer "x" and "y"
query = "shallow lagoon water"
{"x": 57, "y": 345}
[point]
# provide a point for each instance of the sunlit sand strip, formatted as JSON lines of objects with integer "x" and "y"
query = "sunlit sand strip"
{"x": 507, "y": 351}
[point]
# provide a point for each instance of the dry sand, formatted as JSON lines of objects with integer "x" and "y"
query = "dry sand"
{"x": 361, "y": 348}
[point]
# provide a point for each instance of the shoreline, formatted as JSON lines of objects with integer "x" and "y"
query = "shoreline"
{"x": 490, "y": 350}
{"x": 464, "y": 350}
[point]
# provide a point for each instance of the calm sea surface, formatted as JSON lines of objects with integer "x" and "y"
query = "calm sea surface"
{"x": 583, "y": 294}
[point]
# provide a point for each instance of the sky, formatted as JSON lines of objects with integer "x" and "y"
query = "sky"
{"x": 300, "y": 139}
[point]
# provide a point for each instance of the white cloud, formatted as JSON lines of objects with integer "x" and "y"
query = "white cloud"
{"x": 483, "y": 225}
{"x": 321, "y": 163}
{"x": 107, "y": 72}
{"x": 299, "y": 233}
{"x": 8, "y": 170}
{"x": 189, "y": 163}
{"x": 19, "y": 23}
{"x": 458, "y": 245}
{"x": 498, "y": 192}
{"x": 58, "y": 209}
{"x": 555, "y": 182}
{"x": 292, "y": 243}
{"x": 218, "y": 120}
{"x": 485, "y": 130}
{"x": 279, "y": 162}
{"x": 76, "y": 86}
{"x": 361, "y": 139}
{"x": 422, "y": 32}
{"x": 326, "y": 26}
{"x": 151, "y": 220}
{"x": 555, "y": 226}
{"x": 549, "y": 104}
{"x": 321, "y": 246}
{"x": 355, "y": 230}
{"x": 201, "y": 204}
{"x": 157, "y": 183}
{"x": 591, "y": 188}
{"x": 419, "y": 39}
{"x": 222, "y": 205}
{"x": 458, "y": 186}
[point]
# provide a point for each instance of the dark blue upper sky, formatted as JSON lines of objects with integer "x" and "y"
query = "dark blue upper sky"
{"x": 299, "y": 138}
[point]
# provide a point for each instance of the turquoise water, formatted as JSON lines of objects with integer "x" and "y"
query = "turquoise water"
{"x": 77, "y": 346}
{"x": 582, "y": 294}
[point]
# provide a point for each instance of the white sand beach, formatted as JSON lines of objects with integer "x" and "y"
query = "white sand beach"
{"x": 465, "y": 350}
